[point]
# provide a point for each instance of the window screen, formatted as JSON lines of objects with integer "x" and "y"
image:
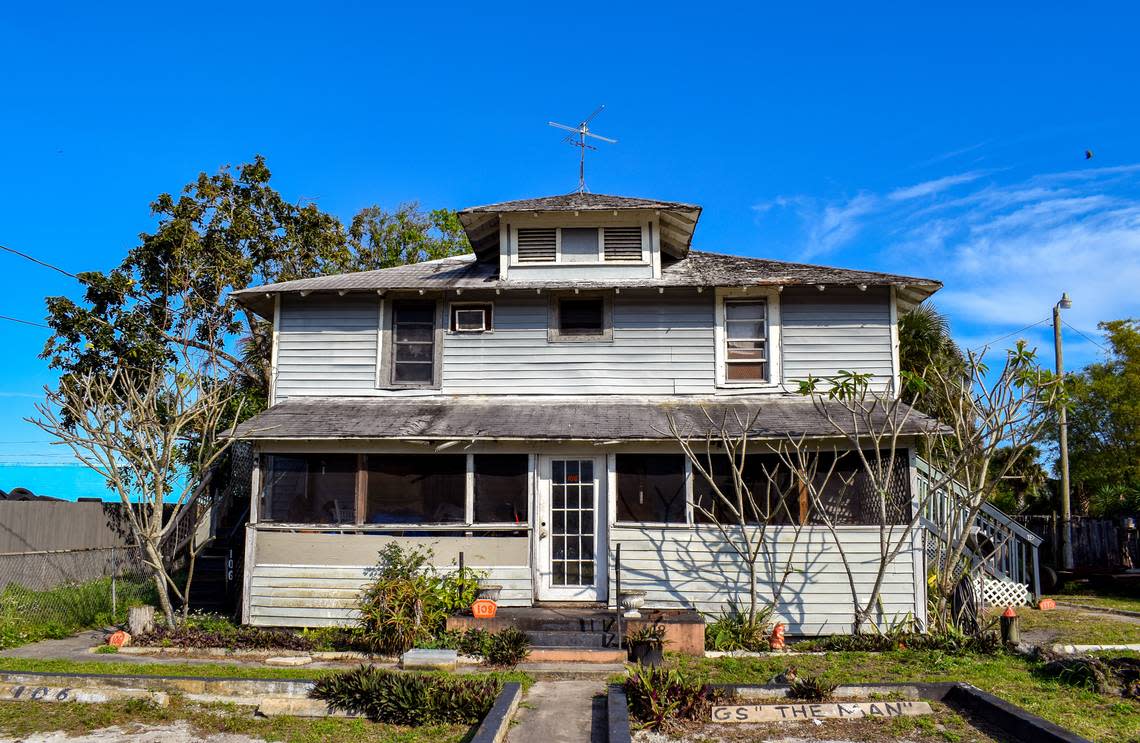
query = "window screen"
{"x": 746, "y": 340}
{"x": 309, "y": 489}
{"x": 501, "y": 488}
{"x": 768, "y": 495}
{"x": 413, "y": 348}
{"x": 579, "y": 245}
{"x": 651, "y": 488}
{"x": 416, "y": 489}
{"x": 581, "y": 316}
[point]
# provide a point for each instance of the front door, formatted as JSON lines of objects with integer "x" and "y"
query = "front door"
{"x": 571, "y": 505}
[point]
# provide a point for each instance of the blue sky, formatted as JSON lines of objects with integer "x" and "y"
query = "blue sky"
{"x": 945, "y": 142}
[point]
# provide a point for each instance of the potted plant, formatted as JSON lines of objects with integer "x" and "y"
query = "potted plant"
{"x": 646, "y": 644}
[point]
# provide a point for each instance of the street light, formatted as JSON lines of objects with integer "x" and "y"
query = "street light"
{"x": 1066, "y": 532}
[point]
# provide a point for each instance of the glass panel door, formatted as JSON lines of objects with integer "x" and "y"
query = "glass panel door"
{"x": 568, "y": 530}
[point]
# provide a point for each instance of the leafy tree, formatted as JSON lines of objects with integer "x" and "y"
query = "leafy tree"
{"x": 1104, "y": 423}
{"x": 925, "y": 347}
{"x": 222, "y": 233}
{"x": 1024, "y": 488}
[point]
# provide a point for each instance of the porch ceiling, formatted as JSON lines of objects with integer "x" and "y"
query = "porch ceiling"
{"x": 485, "y": 419}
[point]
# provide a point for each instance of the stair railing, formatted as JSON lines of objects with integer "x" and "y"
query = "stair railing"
{"x": 1016, "y": 549}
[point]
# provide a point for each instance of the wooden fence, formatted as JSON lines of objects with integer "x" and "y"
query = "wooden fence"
{"x": 1099, "y": 545}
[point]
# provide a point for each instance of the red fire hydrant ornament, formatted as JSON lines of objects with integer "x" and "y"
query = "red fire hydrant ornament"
{"x": 776, "y": 641}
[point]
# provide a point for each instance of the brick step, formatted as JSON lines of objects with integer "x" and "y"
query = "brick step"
{"x": 575, "y": 655}
{"x": 572, "y": 639}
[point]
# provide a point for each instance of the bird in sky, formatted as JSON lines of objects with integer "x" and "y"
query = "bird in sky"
{"x": 1088, "y": 154}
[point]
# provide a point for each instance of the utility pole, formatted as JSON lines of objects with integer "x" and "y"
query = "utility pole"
{"x": 1063, "y": 439}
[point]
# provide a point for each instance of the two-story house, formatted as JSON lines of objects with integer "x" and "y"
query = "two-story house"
{"x": 513, "y": 405}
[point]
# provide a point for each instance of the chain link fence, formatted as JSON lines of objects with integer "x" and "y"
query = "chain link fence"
{"x": 56, "y": 593}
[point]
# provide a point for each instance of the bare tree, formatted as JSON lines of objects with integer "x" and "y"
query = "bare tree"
{"x": 988, "y": 412}
{"x": 750, "y": 503}
{"x": 153, "y": 433}
{"x": 996, "y": 418}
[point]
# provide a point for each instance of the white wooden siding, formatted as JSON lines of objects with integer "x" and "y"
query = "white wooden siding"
{"x": 839, "y": 328}
{"x": 327, "y": 346}
{"x": 695, "y": 568}
{"x": 661, "y": 345}
{"x": 314, "y": 580}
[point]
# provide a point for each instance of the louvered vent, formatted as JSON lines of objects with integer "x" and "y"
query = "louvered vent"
{"x": 623, "y": 243}
{"x": 537, "y": 245}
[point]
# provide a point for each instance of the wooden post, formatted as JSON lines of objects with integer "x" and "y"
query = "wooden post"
{"x": 617, "y": 597}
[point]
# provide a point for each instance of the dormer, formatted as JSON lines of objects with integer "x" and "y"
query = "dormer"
{"x": 580, "y": 236}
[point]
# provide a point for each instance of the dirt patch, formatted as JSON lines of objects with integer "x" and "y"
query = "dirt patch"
{"x": 945, "y": 724}
{"x": 179, "y": 732}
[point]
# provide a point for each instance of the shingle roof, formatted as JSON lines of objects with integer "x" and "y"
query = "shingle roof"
{"x": 676, "y": 220}
{"x": 697, "y": 269}
{"x": 539, "y": 419}
{"x": 578, "y": 202}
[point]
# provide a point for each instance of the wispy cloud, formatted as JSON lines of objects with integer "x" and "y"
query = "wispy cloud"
{"x": 1004, "y": 247}
{"x": 932, "y": 187}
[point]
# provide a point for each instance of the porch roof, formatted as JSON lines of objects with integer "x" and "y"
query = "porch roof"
{"x": 547, "y": 419}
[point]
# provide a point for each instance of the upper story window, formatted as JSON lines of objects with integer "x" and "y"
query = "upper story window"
{"x": 746, "y": 341}
{"x": 572, "y": 245}
{"x": 580, "y": 318}
{"x": 413, "y": 347}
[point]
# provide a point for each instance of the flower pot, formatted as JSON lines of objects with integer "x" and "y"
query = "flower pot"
{"x": 646, "y": 652}
{"x": 630, "y": 602}
{"x": 489, "y": 591}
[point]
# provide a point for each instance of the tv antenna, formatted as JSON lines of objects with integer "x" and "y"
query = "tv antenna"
{"x": 578, "y": 139}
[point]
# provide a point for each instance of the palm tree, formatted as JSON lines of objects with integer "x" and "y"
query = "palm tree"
{"x": 926, "y": 346}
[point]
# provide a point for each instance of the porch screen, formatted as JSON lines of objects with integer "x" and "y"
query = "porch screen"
{"x": 501, "y": 488}
{"x": 416, "y": 489}
{"x": 309, "y": 489}
{"x": 770, "y": 497}
{"x": 651, "y": 488}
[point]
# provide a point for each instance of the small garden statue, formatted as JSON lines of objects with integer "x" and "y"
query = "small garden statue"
{"x": 776, "y": 641}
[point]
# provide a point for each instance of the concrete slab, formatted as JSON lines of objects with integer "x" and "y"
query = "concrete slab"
{"x": 429, "y": 660}
{"x": 296, "y": 707}
{"x": 561, "y": 712}
{"x": 89, "y": 695}
{"x": 288, "y": 660}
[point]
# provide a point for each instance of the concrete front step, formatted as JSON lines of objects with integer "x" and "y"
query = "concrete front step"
{"x": 575, "y": 655}
{"x": 571, "y": 638}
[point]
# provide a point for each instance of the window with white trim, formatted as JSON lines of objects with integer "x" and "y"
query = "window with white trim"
{"x": 746, "y": 358}
{"x": 471, "y": 317}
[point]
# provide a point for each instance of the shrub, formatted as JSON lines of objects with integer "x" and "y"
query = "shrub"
{"x": 660, "y": 699}
{"x": 407, "y": 602}
{"x": 647, "y": 633}
{"x": 335, "y": 638}
{"x": 508, "y": 647}
{"x": 811, "y": 689}
{"x": 408, "y": 698}
{"x": 212, "y": 631}
{"x": 28, "y": 615}
{"x": 733, "y": 630}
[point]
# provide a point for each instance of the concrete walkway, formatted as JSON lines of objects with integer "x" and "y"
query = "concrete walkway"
{"x": 562, "y": 712}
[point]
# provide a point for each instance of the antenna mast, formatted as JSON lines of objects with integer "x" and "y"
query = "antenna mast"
{"x": 582, "y": 131}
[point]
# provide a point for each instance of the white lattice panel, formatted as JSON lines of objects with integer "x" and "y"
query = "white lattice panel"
{"x": 1004, "y": 592}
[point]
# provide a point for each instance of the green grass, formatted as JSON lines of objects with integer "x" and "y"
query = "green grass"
{"x": 28, "y": 616}
{"x": 200, "y": 670}
{"x": 1102, "y": 600}
{"x": 1010, "y": 677}
{"x": 23, "y": 718}
{"x": 1072, "y": 626}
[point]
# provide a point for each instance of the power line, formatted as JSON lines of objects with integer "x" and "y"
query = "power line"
{"x": 1090, "y": 340}
{"x": 24, "y": 322}
{"x": 987, "y": 344}
{"x": 33, "y": 259}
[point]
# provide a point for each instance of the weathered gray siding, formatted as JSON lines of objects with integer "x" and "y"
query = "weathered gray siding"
{"x": 695, "y": 568}
{"x": 327, "y": 346}
{"x": 840, "y": 328}
{"x": 313, "y": 580}
{"x": 661, "y": 345}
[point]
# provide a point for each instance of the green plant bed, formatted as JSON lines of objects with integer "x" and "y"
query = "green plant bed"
{"x": 1012, "y": 677}
{"x": 22, "y": 720}
{"x": 409, "y": 698}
